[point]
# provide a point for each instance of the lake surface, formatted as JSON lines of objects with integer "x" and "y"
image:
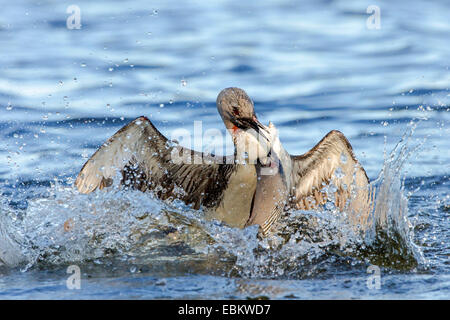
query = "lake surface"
{"x": 310, "y": 67}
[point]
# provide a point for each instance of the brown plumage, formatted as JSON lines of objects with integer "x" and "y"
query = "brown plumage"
{"x": 330, "y": 170}
{"x": 145, "y": 159}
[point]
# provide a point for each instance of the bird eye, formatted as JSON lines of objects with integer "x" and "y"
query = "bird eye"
{"x": 236, "y": 111}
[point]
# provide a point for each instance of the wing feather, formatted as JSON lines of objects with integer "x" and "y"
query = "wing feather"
{"x": 330, "y": 170}
{"x": 148, "y": 161}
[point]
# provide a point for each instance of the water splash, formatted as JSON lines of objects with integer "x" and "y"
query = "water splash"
{"x": 391, "y": 238}
{"x": 130, "y": 229}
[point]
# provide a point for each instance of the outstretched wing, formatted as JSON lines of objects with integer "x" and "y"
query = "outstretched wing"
{"x": 149, "y": 161}
{"x": 330, "y": 171}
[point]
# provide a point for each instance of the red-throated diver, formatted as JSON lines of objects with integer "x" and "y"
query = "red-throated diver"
{"x": 239, "y": 193}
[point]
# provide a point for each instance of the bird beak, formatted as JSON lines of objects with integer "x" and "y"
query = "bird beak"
{"x": 255, "y": 125}
{"x": 260, "y": 128}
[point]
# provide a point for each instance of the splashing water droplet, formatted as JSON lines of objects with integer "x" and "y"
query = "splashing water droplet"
{"x": 339, "y": 173}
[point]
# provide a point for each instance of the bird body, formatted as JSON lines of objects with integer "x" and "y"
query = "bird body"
{"x": 253, "y": 186}
{"x": 236, "y": 203}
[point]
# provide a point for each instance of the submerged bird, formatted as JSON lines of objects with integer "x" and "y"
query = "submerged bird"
{"x": 253, "y": 186}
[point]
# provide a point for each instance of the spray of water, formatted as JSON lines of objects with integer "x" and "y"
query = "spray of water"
{"x": 130, "y": 228}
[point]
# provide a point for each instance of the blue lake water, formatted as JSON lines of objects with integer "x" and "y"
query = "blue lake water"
{"x": 310, "y": 67}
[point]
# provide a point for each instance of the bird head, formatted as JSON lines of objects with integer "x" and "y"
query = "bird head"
{"x": 238, "y": 114}
{"x": 237, "y": 111}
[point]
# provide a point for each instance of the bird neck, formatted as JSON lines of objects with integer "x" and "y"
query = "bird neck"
{"x": 248, "y": 148}
{"x": 281, "y": 156}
